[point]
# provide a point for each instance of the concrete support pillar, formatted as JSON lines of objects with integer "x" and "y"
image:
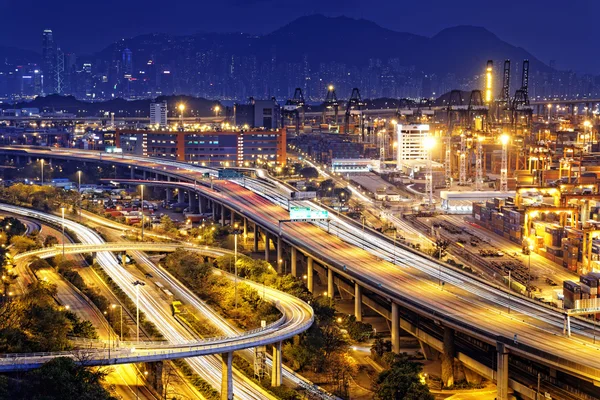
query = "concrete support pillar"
{"x": 309, "y": 274}
{"x": 502, "y": 372}
{"x": 226, "y": 376}
{"x": 168, "y": 195}
{"x": 294, "y": 262}
{"x": 330, "y": 290}
{"x": 395, "y": 328}
{"x": 201, "y": 204}
{"x": 131, "y": 173}
{"x": 267, "y": 247}
{"x": 357, "y": 301}
{"x": 255, "y": 246}
{"x": 448, "y": 358}
{"x": 222, "y": 214}
{"x": 276, "y": 372}
{"x": 190, "y": 201}
{"x": 168, "y": 178}
{"x": 180, "y": 196}
{"x": 245, "y": 228}
{"x": 213, "y": 208}
{"x": 232, "y": 216}
{"x": 279, "y": 255}
{"x": 144, "y": 174}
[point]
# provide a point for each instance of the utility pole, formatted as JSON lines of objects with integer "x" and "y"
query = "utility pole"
{"x": 479, "y": 165}
{"x": 137, "y": 285}
{"x": 62, "y": 209}
{"x": 142, "y": 187}
{"x": 504, "y": 139}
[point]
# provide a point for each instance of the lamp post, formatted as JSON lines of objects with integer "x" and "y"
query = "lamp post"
{"x": 235, "y": 232}
{"x": 42, "y": 162}
{"x": 62, "y": 209}
{"x": 429, "y": 144}
{"x": 217, "y": 109}
{"x": 137, "y": 285}
{"x": 109, "y": 329}
{"x": 181, "y": 110}
{"x": 79, "y": 192}
{"x": 529, "y": 268}
{"x": 142, "y": 188}
{"x": 121, "y": 327}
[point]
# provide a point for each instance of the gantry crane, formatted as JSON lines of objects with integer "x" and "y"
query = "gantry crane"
{"x": 294, "y": 107}
{"x": 354, "y": 103}
{"x": 331, "y": 102}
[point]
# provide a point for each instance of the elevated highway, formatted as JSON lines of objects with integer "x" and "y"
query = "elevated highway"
{"x": 297, "y": 317}
{"x": 408, "y": 283}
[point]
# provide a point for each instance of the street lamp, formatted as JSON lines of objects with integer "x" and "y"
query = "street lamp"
{"x": 113, "y": 306}
{"x": 529, "y": 268}
{"x": 62, "y": 209}
{"x": 142, "y": 188}
{"x": 217, "y": 109}
{"x": 79, "y": 192}
{"x": 429, "y": 143}
{"x": 181, "y": 110}
{"x": 235, "y": 232}
{"x": 137, "y": 285}
{"x": 42, "y": 162}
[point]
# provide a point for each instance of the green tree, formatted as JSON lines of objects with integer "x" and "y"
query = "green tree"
{"x": 309, "y": 173}
{"x": 50, "y": 241}
{"x": 167, "y": 224}
{"x": 22, "y": 244}
{"x": 357, "y": 330}
{"x": 81, "y": 328}
{"x": 401, "y": 382}
{"x": 12, "y": 227}
{"x": 62, "y": 379}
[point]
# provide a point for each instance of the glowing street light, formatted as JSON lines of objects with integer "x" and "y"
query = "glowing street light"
{"x": 504, "y": 139}
{"x": 62, "y": 209}
{"x": 217, "y": 109}
{"x": 137, "y": 285}
{"x": 429, "y": 143}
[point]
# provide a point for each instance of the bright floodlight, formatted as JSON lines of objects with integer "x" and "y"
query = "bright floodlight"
{"x": 429, "y": 142}
{"x": 181, "y": 107}
{"x": 587, "y": 123}
{"x": 504, "y": 139}
{"x": 330, "y": 88}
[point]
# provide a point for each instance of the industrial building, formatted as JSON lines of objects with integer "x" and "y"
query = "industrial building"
{"x": 265, "y": 114}
{"x": 410, "y": 139}
{"x": 210, "y": 148}
{"x": 158, "y": 114}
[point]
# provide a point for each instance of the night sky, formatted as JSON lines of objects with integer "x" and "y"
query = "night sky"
{"x": 550, "y": 29}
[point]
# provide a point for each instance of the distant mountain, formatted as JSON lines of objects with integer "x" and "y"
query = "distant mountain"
{"x": 310, "y": 51}
{"x": 339, "y": 39}
{"x": 464, "y": 50}
{"x": 122, "y": 108}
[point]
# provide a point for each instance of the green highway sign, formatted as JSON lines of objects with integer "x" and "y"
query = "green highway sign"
{"x": 307, "y": 214}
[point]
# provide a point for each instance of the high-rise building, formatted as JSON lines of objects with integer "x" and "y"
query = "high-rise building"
{"x": 127, "y": 63}
{"x": 158, "y": 114}
{"x": 48, "y": 60}
{"x": 410, "y": 143}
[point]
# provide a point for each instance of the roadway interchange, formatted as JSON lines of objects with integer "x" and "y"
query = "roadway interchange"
{"x": 465, "y": 304}
{"x": 297, "y": 317}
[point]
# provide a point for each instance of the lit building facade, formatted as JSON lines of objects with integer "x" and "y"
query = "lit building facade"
{"x": 158, "y": 114}
{"x": 217, "y": 149}
{"x": 410, "y": 143}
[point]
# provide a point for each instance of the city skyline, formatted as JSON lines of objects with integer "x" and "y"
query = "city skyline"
{"x": 234, "y": 67}
{"x": 84, "y": 35}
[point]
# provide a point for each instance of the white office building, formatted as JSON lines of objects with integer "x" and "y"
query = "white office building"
{"x": 158, "y": 114}
{"x": 410, "y": 143}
